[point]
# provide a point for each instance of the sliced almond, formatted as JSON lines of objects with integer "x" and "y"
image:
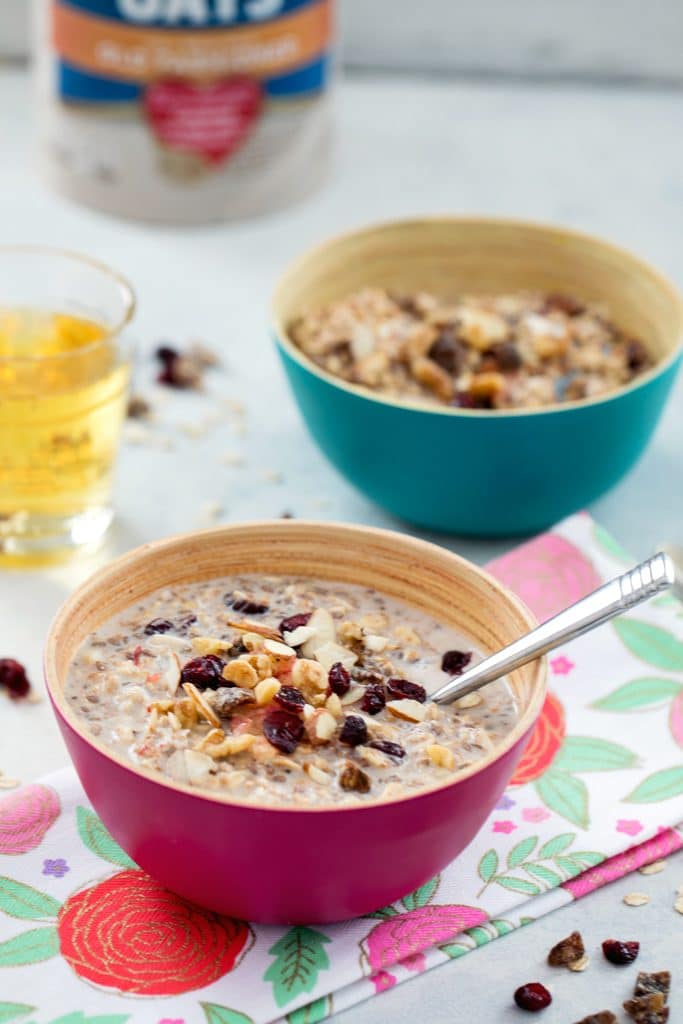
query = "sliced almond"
{"x": 265, "y": 690}
{"x": 212, "y": 737}
{"x": 231, "y": 745}
{"x": 375, "y": 643}
{"x": 241, "y": 673}
{"x": 441, "y": 756}
{"x": 652, "y": 869}
{"x": 354, "y": 693}
{"x": 210, "y": 645}
{"x": 286, "y": 762}
{"x": 409, "y": 710}
{"x": 279, "y": 650}
{"x": 322, "y": 624}
{"x": 198, "y": 765}
{"x": 254, "y": 627}
{"x": 636, "y": 899}
{"x": 170, "y": 677}
{"x": 314, "y": 773}
{"x": 201, "y": 705}
{"x": 470, "y": 700}
{"x": 166, "y": 641}
{"x": 299, "y": 636}
{"x": 330, "y": 653}
{"x": 375, "y": 758}
{"x": 320, "y": 726}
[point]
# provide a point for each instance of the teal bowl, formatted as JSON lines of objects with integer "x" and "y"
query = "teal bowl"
{"x": 481, "y": 472}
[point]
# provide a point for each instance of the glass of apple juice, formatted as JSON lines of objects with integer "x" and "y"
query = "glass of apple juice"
{"x": 64, "y": 377}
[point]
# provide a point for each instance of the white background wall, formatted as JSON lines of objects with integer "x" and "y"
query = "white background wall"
{"x": 595, "y": 38}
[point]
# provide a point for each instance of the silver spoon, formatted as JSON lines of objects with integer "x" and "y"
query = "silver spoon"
{"x": 640, "y": 584}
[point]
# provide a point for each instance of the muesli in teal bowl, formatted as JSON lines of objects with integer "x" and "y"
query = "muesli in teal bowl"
{"x": 484, "y": 472}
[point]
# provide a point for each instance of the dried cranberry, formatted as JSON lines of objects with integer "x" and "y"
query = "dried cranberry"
{"x": 157, "y": 626}
{"x": 447, "y": 352}
{"x": 283, "y": 730}
{"x": 354, "y": 731}
{"x": 339, "y": 679}
{"x": 506, "y": 355}
{"x": 533, "y": 997}
{"x": 402, "y": 689}
{"x": 454, "y": 662}
{"x": 293, "y": 622}
{"x": 618, "y": 952}
{"x": 387, "y": 747}
{"x": 204, "y": 673}
{"x": 463, "y": 400}
{"x": 13, "y": 677}
{"x": 561, "y": 303}
{"x": 374, "y": 699}
{"x": 290, "y": 698}
{"x": 244, "y": 605}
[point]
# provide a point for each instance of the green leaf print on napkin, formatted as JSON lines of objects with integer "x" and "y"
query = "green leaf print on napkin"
{"x": 566, "y": 795}
{"x": 662, "y": 785}
{"x": 480, "y": 935}
{"x": 422, "y": 896}
{"x": 97, "y": 839}
{"x": 656, "y": 646}
{"x": 610, "y": 545}
{"x": 25, "y": 902}
{"x": 299, "y": 958}
{"x": 639, "y": 693}
{"x": 29, "y": 948}
{"x": 313, "y": 1013}
{"x": 78, "y": 1017}
{"x": 587, "y": 754}
{"x": 216, "y": 1014}
{"x": 551, "y": 865}
{"x": 11, "y": 1011}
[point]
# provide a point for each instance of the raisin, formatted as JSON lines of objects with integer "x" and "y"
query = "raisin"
{"x": 533, "y": 997}
{"x": 463, "y": 400}
{"x": 13, "y": 677}
{"x": 387, "y": 747}
{"x": 354, "y": 779}
{"x": 402, "y": 689}
{"x": 339, "y": 679}
{"x": 447, "y": 352}
{"x": 373, "y": 699}
{"x": 166, "y": 354}
{"x": 289, "y": 698}
{"x": 354, "y": 731}
{"x": 561, "y": 303}
{"x": 455, "y": 662}
{"x": 283, "y": 730}
{"x": 567, "y": 951}
{"x": 636, "y": 355}
{"x": 293, "y": 622}
{"x": 206, "y": 673}
{"x": 618, "y": 952}
{"x": 244, "y": 605}
{"x": 506, "y": 356}
{"x": 157, "y": 626}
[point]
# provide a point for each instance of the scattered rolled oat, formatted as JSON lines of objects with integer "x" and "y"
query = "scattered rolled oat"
{"x": 579, "y": 965}
{"x": 652, "y": 869}
{"x": 678, "y": 905}
{"x": 470, "y": 700}
{"x": 8, "y": 783}
{"x": 636, "y": 899}
{"x": 567, "y": 951}
{"x": 138, "y": 408}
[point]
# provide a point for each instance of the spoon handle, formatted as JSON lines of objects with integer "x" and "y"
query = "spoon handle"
{"x": 645, "y": 581}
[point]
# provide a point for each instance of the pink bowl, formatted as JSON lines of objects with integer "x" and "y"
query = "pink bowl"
{"x": 306, "y": 865}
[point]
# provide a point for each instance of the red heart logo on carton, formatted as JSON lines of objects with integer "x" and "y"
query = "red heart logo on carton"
{"x": 209, "y": 121}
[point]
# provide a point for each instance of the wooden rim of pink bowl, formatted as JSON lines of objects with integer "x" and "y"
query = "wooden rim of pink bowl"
{"x": 429, "y": 577}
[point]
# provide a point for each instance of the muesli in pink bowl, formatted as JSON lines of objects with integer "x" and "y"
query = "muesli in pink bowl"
{"x": 265, "y": 687}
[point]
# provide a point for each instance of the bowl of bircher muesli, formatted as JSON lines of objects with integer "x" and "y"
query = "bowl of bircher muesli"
{"x": 481, "y": 376}
{"x": 248, "y": 711}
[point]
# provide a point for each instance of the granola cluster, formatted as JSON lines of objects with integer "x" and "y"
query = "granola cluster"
{"x": 316, "y": 706}
{"x": 513, "y": 351}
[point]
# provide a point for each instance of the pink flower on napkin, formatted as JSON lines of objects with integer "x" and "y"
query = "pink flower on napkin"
{"x": 504, "y": 826}
{"x": 382, "y": 981}
{"x": 535, "y": 814}
{"x": 561, "y": 666}
{"x": 629, "y": 826}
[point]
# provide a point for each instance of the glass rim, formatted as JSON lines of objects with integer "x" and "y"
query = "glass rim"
{"x": 123, "y": 285}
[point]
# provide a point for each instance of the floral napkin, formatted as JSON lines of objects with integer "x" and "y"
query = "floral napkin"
{"x": 85, "y": 936}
